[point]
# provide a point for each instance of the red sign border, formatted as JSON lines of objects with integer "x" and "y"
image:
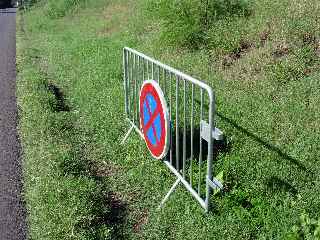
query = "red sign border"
{"x": 153, "y": 88}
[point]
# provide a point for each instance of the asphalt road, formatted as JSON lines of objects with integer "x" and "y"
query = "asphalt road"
{"x": 12, "y": 210}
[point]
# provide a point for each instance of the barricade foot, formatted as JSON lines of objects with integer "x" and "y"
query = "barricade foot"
{"x": 169, "y": 193}
{"x": 127, "y": 134}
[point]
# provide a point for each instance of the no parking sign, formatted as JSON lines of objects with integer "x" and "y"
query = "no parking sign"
{"x": 154, "y": 119}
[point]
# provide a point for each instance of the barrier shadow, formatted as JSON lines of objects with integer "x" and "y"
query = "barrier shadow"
{"x": 277, "y": 184}
{"x": 219, "y": 147}
{"x": 264, "y": 143}
{"x": 261, "y": 141}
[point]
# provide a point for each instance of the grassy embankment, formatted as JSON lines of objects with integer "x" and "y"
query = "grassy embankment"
{"x": 263, "y": 61}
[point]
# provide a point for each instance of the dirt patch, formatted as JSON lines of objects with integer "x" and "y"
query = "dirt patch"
{"x": 105, "y": 169}
{"x": 264, "y": 37}
{"x": 282, "y": 50}
{"x": 115, "y": 22}
{"x": 141, "y": 221}
{"x": 114, "y": 217}
{"x": 118, "y": 209}
{"x": 107, "y": 31}
{"x": 244, "y": 47}
{"x": 119, "y": 8}
{"x": 309, "y": 38}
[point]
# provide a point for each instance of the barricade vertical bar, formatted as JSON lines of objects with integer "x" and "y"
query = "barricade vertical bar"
{"x": 132, "y": 87}
{"x": 148, "y": 70}
{"x": 171, "y": 130}
{"x": 200, "y": 153}
{"x": 125, "y": 76}
{"x": 165, "y": 81}
{"x": 143, "y": 70}
{"x": 134, "y": 79}
{"x": 210, "y": 149}
{"x": 191, "y": 152}
{"x": 130, "y": 83}
{"x": 152, "y": 70}
{"x": 136, "y": 99}
{"x": 139, "y": 77}
{"x": 177, "y": 123}
{"x": 138, "y": 87}
{"x": 184, "y": 130}
{"x": 159, "y": 75}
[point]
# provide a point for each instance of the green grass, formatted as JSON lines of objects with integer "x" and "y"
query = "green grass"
{"x": 80, "y": 183}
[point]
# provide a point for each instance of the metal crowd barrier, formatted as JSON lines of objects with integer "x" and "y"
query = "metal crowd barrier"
{"x": 192, "y": 125}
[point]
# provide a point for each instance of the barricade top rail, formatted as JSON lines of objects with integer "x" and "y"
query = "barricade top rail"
{"x": 176, "y": 72}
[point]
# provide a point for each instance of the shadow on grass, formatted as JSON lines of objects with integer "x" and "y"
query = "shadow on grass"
{"x": 259, "y": 140}
{"x": 117, "y": 216}
{"x": 79, "y": 165}
{"x": 280, "y": 185}
{"x": 219, "y": 147}
{"x": 114, "y": 218}
{"x": 59, "y": 104}
{"x": 264, "y": 143}
{"x": 108, "y": 214}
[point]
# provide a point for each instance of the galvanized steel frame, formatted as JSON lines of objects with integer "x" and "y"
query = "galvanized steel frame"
{"x": 135, "y": 64}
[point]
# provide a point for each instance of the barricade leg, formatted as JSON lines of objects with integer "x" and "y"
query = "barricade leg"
{"x": 133, "y": 127}
{"x": 127, "y": 134}
{"x": 169, "y": 193}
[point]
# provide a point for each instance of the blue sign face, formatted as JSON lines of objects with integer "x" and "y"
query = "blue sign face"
{"x": 152, "y": 121}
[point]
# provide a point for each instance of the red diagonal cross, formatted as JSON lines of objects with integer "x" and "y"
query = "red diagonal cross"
{"x": 151, "y": 121}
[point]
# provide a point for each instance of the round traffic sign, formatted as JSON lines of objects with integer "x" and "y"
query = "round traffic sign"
{"x": 154, "y": 119}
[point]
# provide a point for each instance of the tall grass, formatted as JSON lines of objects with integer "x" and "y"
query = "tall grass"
{"x": 186, "y": 22}
{"x": 59, "y": 8}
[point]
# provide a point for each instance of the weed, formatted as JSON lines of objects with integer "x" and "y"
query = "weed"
{"x": 307, "y": 228}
